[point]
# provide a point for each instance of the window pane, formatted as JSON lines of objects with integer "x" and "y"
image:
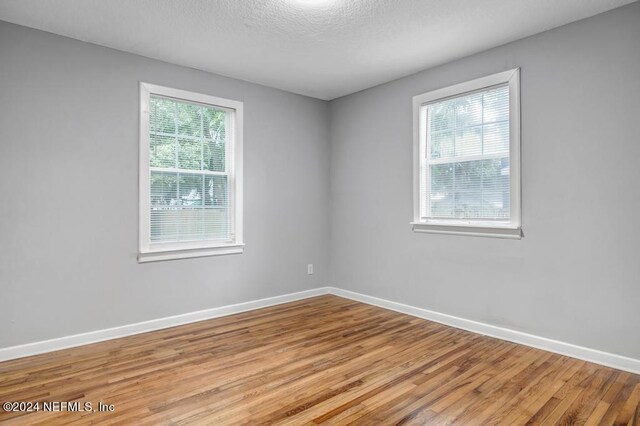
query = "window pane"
{"x": 495, "y": 189}
{"x": 496, "y": 105}
{"x": 217, "y": 191}
{"x": 496, "y": 138}
{"x": 214, "y": 123}
{"x": 165, "y": 224}
{"x": 470, "y": 189}
{"x": 164, "y": 189}
{"x": 189, "y": 119}
{"x": 190, "y": 190}
{"x": 442, "y": 144}
{"x": 468, "y": 141}
{"x": 478, "y": 123}
{"x": 441, "y": 193}
{"x": 189, "y": 207}
{"x": 214, "y": 155}
{"x": 174, "y": 224}
{"x": 465, "y": 172}
{"x": 200, "y": 132}
{"x": 164, "y": 200}
{"x": 189, "y": 154}
{"x": 162, "y": 115}
{"x": 217, "y": 202}
{"x": 163, "y": 151}
{"x": 442, "y": 116}
{"x": 215, "y": 145}
{"x": 468, "y": 110}
{"x": 216, "y": 224}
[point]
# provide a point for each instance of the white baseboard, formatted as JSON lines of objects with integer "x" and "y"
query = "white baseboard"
{"x": 592, "y": 355}
{"x": 51, "y": 345}
{"x": 604, "y": 358}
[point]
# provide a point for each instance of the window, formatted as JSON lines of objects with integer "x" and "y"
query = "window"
{"x": 190, "y": 174}
{"x": 467, "y": 158}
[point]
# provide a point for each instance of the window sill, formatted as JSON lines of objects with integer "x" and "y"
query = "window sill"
{"x": 470, "y": 229}
{"x": 157, "y": 256}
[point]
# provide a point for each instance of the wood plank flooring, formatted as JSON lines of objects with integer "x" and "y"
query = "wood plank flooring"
{"x": 324, "y": 360}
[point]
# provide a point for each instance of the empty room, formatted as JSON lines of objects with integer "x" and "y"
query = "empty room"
{"x": 301, "y": 212}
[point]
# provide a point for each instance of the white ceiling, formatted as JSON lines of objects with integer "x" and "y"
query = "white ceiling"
{"x": 319, "y": 48}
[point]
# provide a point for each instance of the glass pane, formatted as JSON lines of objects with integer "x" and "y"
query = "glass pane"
{"x": 470, "y": 190}
{"x": 216, "y": 224}
{"x": 164, "y": 200}
{"x": 496, "y": 189}
{"x": 189, "y": 154}
{"x": 188, "y": 206}
{"x": 164, "y": 189}
{"x": 496, "y": 104}
{"x": 469, "y": 110}
{"x": 442, "y": 144}
{"x": 442, "y": 116}
{"x": 441, "y": 194}
{"x": 190, "y": 189}
{"x": 215, "y": 146}
{"x": 214, "y": 155}
{"x": 186, "y": 219}
{"x": 189, "y": 119}
{"x": 191, "y": 198}
{"x": 163, "y": 151}
{"x": 468, "y": 141}
{"x": 479, "y": 124}
{"x": 496, "y": 138}
{"x": 216, "y": 191}
{"x": 214, "y": 123}
{"x": 162, "y": 115}
{"x": 217, "y": 203}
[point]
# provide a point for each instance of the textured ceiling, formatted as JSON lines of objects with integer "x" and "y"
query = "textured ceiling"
{"x": 320, "y": 48}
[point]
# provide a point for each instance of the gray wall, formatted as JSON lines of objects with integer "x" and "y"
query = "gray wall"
{"x": 69, "y": 192}
{"x": 575, "y": 276}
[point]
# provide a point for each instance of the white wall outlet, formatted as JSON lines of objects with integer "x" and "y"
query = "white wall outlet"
{"x": 310, "y": 269}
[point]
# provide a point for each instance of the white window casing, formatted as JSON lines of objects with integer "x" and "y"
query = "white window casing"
{"x": 466, "y": 149}
{"x": 190, "y": 175}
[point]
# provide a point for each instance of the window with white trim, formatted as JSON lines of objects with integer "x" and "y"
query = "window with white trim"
{"x": 190, "y": 174}
{"x": 467, "y": 158}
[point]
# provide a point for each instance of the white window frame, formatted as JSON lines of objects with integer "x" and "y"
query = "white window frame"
{"x": 501, "y": 229}
{"x": 150, "y": 252}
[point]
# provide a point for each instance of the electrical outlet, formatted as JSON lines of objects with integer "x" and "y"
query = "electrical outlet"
{"x": 310, "y": 269}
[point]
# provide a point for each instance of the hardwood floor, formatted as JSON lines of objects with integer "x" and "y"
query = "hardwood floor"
{"x": 321, "y": 360}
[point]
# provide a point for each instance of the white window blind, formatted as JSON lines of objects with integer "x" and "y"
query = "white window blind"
{"x": 467, "y": 157}
{"x": 190, "y": 173}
